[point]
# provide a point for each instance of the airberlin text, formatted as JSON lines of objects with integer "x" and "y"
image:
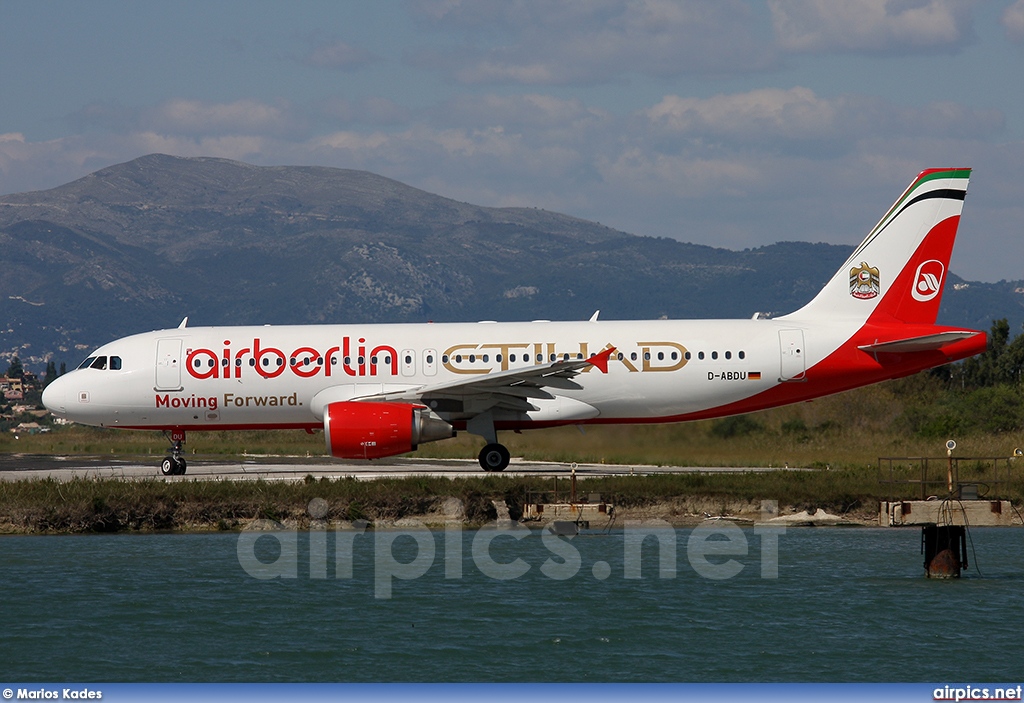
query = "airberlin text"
{"x": 358, "y": 358}
{"x": 304, "y": 361}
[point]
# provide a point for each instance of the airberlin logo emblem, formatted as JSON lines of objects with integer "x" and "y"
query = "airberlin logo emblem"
{"x": 928, "y": 280}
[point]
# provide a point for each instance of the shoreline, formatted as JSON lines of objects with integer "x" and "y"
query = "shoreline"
{"x": 86, "y": 500}
{"x": 446, "y": 512}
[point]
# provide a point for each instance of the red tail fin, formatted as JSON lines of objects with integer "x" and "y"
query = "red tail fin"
{"x": 914, "y": 296}
{"x": 897, "y": 272}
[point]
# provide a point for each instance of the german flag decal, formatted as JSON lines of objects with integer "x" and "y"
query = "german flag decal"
{"x": 754, "y": 375}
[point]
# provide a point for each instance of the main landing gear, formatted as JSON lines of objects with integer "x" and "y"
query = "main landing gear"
{"x": 494, "y": 456}
{"x": 174, "y": 465}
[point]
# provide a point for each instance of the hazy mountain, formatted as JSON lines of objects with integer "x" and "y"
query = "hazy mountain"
{"x": 140, "y": 245}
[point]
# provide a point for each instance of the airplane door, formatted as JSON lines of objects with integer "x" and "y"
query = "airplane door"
{"x": 408, "y": 362}
{"x": 791, "y": 343}
{"x": 430, "y": 362}
{"x": 168, "y": 365}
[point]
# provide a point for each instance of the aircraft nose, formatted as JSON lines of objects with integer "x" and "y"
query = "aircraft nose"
{"x": 54, "y": 397}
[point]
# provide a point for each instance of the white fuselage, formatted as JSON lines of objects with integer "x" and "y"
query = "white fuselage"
{"x": 283, "y": 376}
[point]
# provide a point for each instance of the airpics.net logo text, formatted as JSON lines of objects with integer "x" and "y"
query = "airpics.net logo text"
{"x": 712, "y": 550}
{"x": 978, "y": 693}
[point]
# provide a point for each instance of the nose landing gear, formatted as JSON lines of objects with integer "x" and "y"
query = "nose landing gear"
{"x": 174, "y": 465}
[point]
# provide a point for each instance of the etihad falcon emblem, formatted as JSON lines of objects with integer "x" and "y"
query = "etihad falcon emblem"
{"x": 864, "y": 281}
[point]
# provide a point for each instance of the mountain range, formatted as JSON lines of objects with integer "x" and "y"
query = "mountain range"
{"x": 140, "y": 245}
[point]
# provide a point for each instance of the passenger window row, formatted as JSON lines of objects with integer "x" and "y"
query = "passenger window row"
{"x": 512, "y": 358}
{"x": 714, "y": 355}
{"x": 661, "y": 356}
{"x": 633, "y": 356}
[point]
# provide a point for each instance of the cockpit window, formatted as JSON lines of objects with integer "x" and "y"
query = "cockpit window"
{"x": 101, "y": 363}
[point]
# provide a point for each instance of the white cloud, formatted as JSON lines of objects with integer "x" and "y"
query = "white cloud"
{"x": 891, "y": 26}
{"x": 237, "y": 147}
{"x": 768, "y": 112}
{"x": 797, "y": 116}
{"x": 351, "y": 141}
{"x": 195, "y": 117}
{"x": 545, "y": 117}
{"x": 337, "y": 54}
{"x": 534, "y": 42}
{"x": 1013, "y": 20}
{"x": 27, "y": 165}
{"x": 371, "y": 111}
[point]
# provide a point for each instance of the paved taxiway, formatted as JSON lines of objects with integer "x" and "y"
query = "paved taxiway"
{"x": 16, "y": 467}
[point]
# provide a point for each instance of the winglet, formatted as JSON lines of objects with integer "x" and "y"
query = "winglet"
{"x": 601, "y": 360}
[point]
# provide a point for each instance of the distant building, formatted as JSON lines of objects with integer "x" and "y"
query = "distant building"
{"x": 12, "y": 388}
{"x": 30, "y": 428}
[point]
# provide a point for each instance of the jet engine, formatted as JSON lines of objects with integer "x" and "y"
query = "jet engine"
{"x": 355, "y": 430}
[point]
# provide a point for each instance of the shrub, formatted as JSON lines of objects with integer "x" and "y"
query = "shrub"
{"x": 994, "y": 409}
{"x": 735, "y": 426}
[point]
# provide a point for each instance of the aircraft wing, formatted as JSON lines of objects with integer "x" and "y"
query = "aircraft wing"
{"x": 927, "y": 342}
{"x": 507, "y": 390}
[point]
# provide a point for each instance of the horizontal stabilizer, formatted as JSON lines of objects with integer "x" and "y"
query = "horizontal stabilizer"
{"x": 917, "y": 344}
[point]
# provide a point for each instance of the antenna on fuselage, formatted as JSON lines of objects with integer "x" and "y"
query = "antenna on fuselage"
{"x": 184, "y": 323}
{"x": 593, "y": 318}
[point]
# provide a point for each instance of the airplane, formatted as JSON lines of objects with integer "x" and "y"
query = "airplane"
{"x": 378, "y": 390}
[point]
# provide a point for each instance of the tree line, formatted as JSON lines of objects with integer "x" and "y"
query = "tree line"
{"x": 980, "y": 394}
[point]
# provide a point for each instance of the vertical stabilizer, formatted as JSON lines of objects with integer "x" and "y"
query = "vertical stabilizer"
{"x": 898, "y": 271}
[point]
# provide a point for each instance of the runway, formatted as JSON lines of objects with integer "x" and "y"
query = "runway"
{"x": 21, "y": 467}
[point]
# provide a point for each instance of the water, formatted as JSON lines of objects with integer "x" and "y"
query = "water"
{"x": 848, "y": 605}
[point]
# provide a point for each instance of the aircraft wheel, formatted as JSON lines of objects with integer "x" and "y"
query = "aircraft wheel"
{"x": 168, "y": 467}
{"x": 494, "y": 457}
{"x": 180, "y": 466}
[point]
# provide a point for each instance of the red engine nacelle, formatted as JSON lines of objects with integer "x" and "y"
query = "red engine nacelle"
{"x": 356, "y": 430}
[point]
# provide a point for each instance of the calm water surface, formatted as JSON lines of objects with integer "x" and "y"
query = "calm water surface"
{"x": 848, "y": 605}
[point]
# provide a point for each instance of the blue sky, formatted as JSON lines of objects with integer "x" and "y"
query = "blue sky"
{"x": 733, "y": 123}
